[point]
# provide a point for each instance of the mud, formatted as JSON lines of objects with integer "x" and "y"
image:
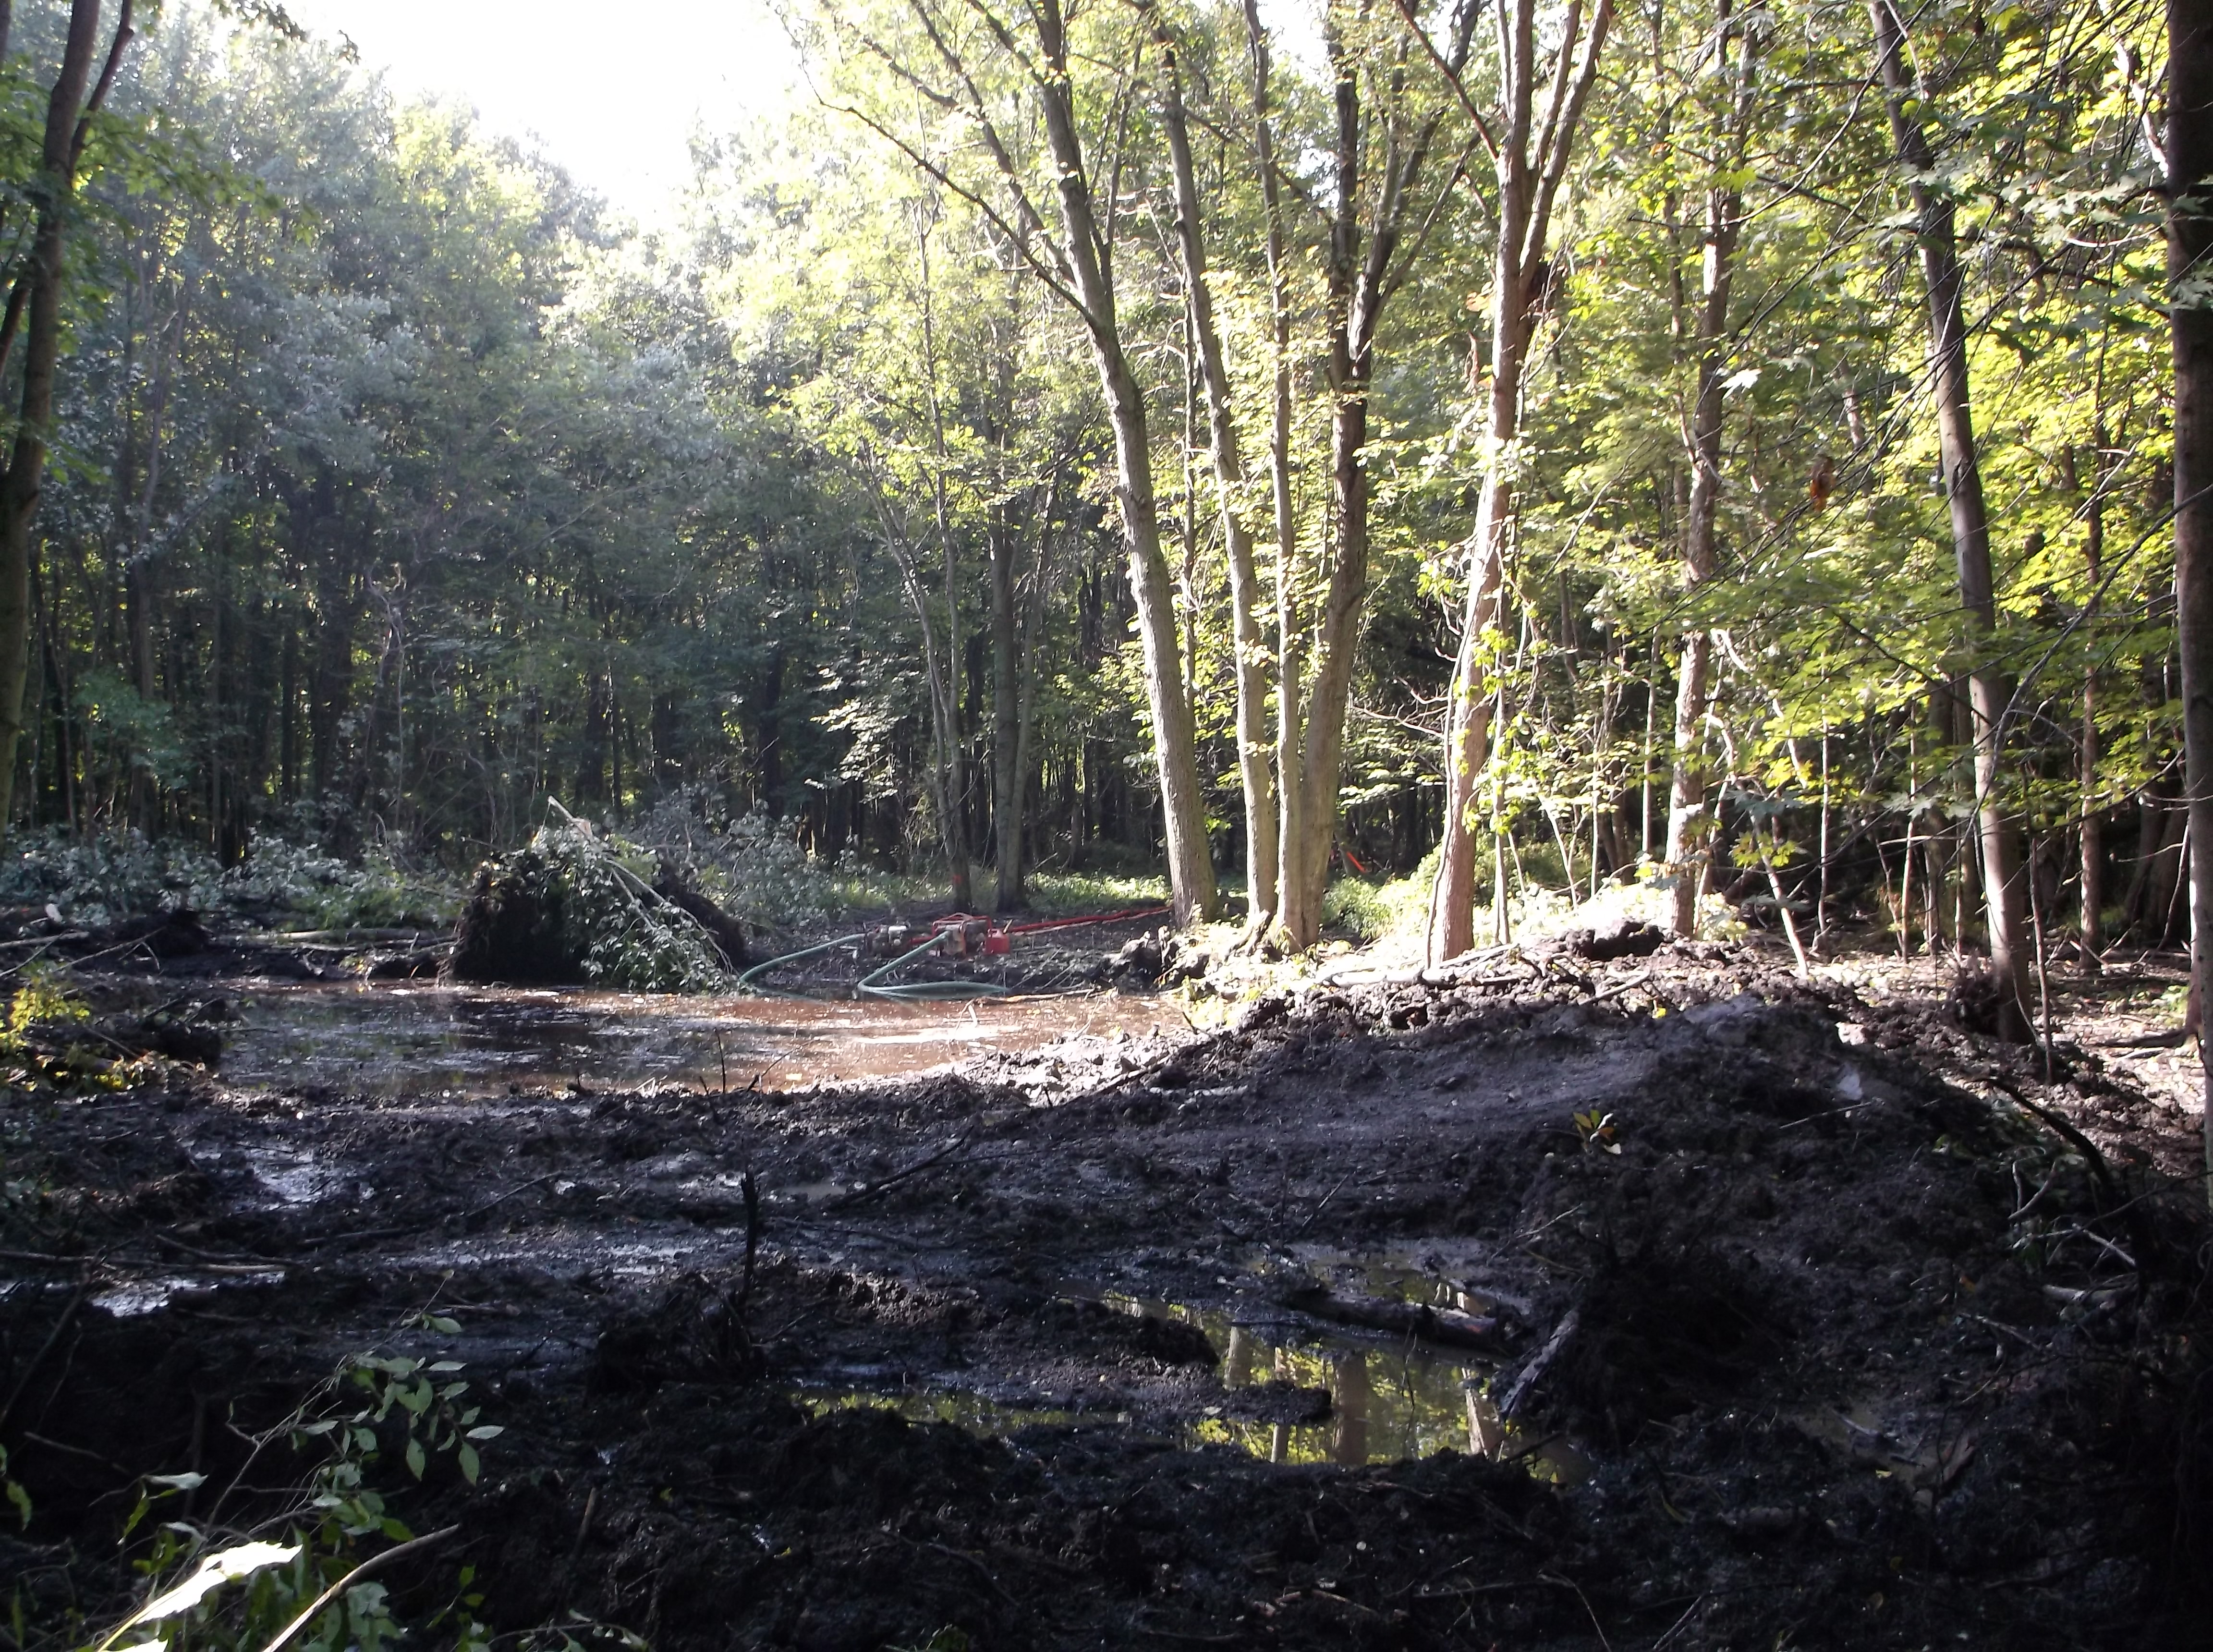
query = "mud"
{"x": 1659, "y": 1301}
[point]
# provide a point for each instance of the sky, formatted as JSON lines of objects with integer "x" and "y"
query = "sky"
{"x": 612, "y": 93}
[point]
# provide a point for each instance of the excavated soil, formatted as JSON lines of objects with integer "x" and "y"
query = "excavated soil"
{"x": 1663, "y": 1302}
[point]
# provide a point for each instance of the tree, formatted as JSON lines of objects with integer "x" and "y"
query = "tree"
{"x": 1723, "y": 219}
{"x": 1531, "y": 160}
{"x": 2190, "y": 294}
{"x": 1989, "y": 693}
{"x": 38, "y": 290}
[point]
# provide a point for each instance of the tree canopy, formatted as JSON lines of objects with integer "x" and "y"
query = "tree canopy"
{"x": 1096, "y": 431}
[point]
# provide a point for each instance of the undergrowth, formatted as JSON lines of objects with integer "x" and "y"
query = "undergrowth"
{"x": 259, "y": 1570}
{"x": 94, "y": 881}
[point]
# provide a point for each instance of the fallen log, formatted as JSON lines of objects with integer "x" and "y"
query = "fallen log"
{"x": 1445, "y": 1326}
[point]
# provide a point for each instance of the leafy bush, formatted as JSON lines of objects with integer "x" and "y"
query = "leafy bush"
{"x": 619, "y": 932}
{"x": 747, "y": 864}
{"x": 329, "y": 893}
{"x": 573, "y": 903}
{"x": 95, "y": 881}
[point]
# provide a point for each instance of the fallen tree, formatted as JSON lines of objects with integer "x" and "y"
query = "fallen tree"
{"x": 576, "y": 906}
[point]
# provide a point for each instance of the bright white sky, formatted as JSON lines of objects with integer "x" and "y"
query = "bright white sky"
{"x": 612, "y": 93}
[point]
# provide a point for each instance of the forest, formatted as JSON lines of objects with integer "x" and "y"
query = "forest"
{"x": 1288, "y": 823}
{"x": 1118, "y": 439}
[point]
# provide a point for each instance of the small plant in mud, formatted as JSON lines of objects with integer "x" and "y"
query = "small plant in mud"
{"x": 223, "y": 1586}
{"x": 947, "y": 1639}
{"x": 38, "y": 1040}
{"x": 1597, "y": 1133}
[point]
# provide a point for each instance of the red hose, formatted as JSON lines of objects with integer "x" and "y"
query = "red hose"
{"x": 1074, "y": 922}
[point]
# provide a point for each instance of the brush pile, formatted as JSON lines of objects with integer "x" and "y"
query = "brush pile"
{"x": 577, "y": 906}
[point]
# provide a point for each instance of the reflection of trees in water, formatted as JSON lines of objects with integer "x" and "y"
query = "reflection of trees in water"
{"x": 1349, "y": 1393}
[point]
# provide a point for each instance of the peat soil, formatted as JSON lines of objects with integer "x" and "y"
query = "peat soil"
{"x": 1667, "y": 1302}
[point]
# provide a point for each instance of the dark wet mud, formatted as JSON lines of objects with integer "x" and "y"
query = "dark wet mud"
{"x": 1667, "y": 1303}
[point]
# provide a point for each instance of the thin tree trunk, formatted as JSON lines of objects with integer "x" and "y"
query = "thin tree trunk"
{"x": 1229, "y": 480}
{"x": 1987, "y": 688}
{"x": 2189, "y": 262}
{"x": 1290, "y": 658}
{"x": 2092, "y": 861}
{"x": 67, "y": 109}
{"x": 1689, "y": 861}
{"x": 1528, "y": 181}
{"x": 1006, "y": 724}
{"x": 1183, "y": 801}
{"x": 953, "y": 786}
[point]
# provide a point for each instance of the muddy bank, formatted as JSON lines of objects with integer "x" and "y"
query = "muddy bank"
{"x": 1651, "y": 1301}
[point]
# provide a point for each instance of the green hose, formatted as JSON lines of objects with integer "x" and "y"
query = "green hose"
{"x": 745, "y": 981}
{"x": 866, "y": 987}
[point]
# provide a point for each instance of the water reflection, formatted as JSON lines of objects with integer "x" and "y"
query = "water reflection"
{"x": 391, "y": 1039}
{"x": 1385, "y": 1403}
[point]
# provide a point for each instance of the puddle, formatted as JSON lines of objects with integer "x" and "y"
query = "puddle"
{"x": 137, "y": 1297}
{"x": 1385, "y": 1403}
{"x": 974, "y": 1412}
{"x": 299, "y": 1178}
{"x": 395, "y": 1038}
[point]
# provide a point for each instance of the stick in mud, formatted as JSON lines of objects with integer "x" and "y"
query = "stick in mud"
{"x": 1535, "y": 1369}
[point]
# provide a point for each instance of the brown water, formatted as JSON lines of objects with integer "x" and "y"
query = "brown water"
{"x": 390, "y": 1039}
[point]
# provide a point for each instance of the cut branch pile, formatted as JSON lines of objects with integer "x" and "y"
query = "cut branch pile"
{"x": 576, "y": 906}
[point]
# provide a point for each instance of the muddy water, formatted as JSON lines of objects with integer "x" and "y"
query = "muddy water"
{"x": 406, "y": 1039}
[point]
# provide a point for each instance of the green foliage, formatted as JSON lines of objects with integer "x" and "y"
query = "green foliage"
{"x": 597, "y": 887}
{"x": 748, "y": 864}
{"x": 219, "y": 1588}
{"x": 1074, "y": 893}
{"x": 41, "y": 997}
{"x": 328, "y": 892}
{"x": 94, "y": 881}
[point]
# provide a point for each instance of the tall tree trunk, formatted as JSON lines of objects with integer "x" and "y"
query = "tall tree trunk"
{"x": 1987, "y": 689}
{"x": 1251, "y": 648}
{"x": 1009, "y": 699}
{"x": 1183, "y": 801}
{"x": 1290, "y": 658}
{"x": 1032, "y": 624}
{"x": 1528, "y": 181}
{"x": 1688, "y": 860}
{"x": 2093, "y": 842}
{"x": 69, "y": 108}
{"x": 1368, "y": 227}
{"x": 952, "y": 746}
{"x": 2189, "y": 265}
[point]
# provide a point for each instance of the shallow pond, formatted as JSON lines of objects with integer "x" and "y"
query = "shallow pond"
{"x": 1389, "y": 1401}
{"x": 404, "y": 1037}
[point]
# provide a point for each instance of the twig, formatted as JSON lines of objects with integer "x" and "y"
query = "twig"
{"x": 914, "y": 1169}
{"x": 583, "y": 1529}
{"x": 469, "y": 1217}
{"x": 1317, "y": 1210}
{"x": 1569, "y": 1583}
{"x": 751, "y": 1190}
{"x": 64, "y": 1446}
{"x": 1536, "y": 1367}
{"x": 377, "y": 1563}
{"x": 53, "y": 1337}
{"x": 1629, "y": 985}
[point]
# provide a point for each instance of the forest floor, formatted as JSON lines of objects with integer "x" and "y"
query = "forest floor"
{"x": 1666, "y": 1302}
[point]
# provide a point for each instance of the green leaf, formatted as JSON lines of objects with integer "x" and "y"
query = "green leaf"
{"x": 415, "y": 1459}
{"x": 467, "y": 1456}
